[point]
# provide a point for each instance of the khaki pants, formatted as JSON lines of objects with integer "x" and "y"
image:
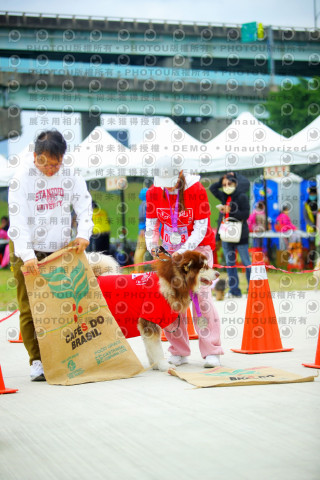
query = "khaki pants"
{"x": 26, "y": 323}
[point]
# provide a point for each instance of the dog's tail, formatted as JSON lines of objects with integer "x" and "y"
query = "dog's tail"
{"x": 103, "y": 264}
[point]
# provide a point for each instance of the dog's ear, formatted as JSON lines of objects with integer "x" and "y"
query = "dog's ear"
{"x": 203, "y": 261}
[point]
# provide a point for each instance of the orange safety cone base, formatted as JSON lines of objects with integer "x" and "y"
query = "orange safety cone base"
{"x": 310, "y": 365}
{"x": 316, "y": 363}
{"x": 17, "y": 341}
{"x": 3, "y": 388}
{"x": 9, "y": 390}
{"x": 193, "y": 337}
{"x": 253, "y": 352}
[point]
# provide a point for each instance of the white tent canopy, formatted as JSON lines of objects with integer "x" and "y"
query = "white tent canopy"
{"x": 309, "y": 136}
{"x": 16, "y": 161}
{"x": 168, "y": 139}
{"x": 304, "y": 146}
{"x": 245, "y": 144}
{"x": 100, "y": 155}
{"x": 5, "y": 172}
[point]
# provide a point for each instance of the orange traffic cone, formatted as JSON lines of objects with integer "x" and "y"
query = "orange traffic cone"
{"x": 17, "y": 341}
{"x": 3, "y": 389}
{"x": 191, "y": 331}
{"x": 316, "y": 363}
{"x": 261, "y": 331}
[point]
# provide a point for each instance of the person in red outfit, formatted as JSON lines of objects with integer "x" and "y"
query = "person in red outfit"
{"x": 179, "y": 202}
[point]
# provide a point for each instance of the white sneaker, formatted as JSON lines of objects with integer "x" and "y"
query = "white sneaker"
{"x": 177, "y": 360}
{"x": 212, "y": 361}
{"x": 36, "y": 371}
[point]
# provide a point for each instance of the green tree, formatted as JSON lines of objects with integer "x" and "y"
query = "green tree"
{"x": 293, "y": 107}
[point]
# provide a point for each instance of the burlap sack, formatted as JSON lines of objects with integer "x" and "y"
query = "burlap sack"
{"x": 228, "y": 377}
{"x": 78, "y": 337}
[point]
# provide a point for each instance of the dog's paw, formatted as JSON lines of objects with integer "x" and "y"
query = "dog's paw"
{"x": 162, "y": 366}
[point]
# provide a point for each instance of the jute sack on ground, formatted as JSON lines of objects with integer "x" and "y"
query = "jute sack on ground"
{"x": 228, "y": 377}
{"x": 79, "y": 339}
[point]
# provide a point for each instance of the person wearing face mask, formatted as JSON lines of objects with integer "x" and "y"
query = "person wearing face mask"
{"x": 310, "y": 210}
{"x": 231, "y": 191}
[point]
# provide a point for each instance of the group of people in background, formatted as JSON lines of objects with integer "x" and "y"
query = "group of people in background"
{"x": 174, "y": 212}
{"x": 259, "y": 223}
{"x": 232, "y": 191}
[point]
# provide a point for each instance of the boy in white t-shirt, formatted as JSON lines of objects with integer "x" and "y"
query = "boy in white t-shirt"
{"x": 40, "y": 201}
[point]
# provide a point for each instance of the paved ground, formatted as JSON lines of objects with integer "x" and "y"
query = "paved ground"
{"x": 156, "y": 427}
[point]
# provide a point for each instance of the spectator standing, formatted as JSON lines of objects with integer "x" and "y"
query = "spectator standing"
{"x": 230, "y": 190}
{"x": 100, "y": 238}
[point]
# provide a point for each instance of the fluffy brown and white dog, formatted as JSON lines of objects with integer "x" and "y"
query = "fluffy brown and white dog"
{"x": 168, "y": 289}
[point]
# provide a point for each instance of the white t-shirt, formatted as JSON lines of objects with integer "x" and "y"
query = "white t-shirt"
{"x": 40, "y": 210}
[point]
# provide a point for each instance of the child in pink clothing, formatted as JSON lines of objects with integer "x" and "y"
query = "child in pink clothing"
{"x": 4, "y": 226}
{"x": 284, "y": 224}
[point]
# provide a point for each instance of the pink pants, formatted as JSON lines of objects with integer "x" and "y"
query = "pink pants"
{"x": 209, "y": 334}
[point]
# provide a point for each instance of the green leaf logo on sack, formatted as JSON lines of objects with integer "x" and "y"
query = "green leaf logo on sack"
{"x": 64, "y": 286}
{"x": 239, "y": 371}
{"x": 71, "y": 365}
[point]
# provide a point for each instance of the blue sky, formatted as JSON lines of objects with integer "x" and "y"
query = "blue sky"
{"x": 290, "y": 13}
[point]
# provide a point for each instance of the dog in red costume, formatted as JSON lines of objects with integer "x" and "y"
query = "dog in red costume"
{"x": 147, "y": 302}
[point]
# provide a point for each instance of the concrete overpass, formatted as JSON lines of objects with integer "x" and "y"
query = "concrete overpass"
{"x": 196, "y": 73}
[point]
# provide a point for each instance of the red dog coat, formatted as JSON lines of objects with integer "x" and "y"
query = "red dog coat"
{"x": 130, "y": 297}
